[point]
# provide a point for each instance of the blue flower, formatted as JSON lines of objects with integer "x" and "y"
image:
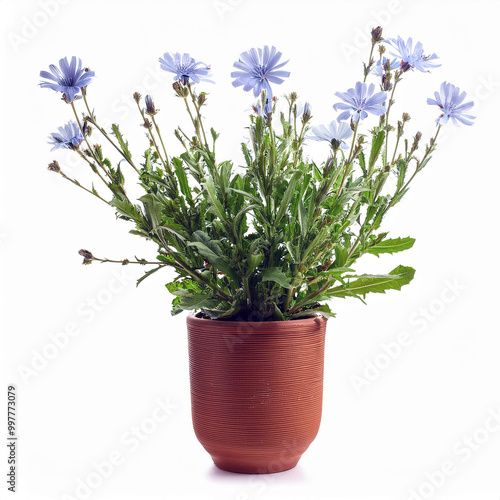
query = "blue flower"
{"x": 449, "y": 99}
{"x": 360, "y": 101}
{"x": 268, "y": 108}
{"x": 256, "y": 68}
{"x": 69, "y": 78}
{"x": 185, "y": 68}
{"x": 336, "y": 133}
{"x": 383, "y": 65}
{"x": 67, "y": 137}
{"x": 414, "y": 56}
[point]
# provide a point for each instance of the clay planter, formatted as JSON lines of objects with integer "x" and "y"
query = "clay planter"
{"x": 256, "y": 390}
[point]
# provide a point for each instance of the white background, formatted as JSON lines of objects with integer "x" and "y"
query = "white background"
{"x": 377, "y": 442}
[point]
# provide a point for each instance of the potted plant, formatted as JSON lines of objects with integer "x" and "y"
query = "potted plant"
{"x": 259, "y": 251}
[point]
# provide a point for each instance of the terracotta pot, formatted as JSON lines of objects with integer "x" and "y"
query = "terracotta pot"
{"x": 256, "y": 390}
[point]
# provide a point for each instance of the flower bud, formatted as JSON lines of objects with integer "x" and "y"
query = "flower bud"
{"x": 405, "y": 66}
{"x": 416, "y": 140}
{"x": 150, "y": 106}
{"x": 386, "y": 82}
{"x": 328, "y": 166}
{"x": 201, "y": 99}
{"x": 406, "y": 117}
{"x": 137, "y": 97}
{"x": 180, "y": 89}
{"x": 376, "y": 34}
{"x": 87, "y": 256}
{"x": 306, "y": 115}
{"x": 293, "y": 97}
{"x": 54, "y": 166}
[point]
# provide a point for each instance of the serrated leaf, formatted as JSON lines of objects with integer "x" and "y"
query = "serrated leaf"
{"x": 277, "y": 275}
{"x": 377, "y": 143}
{"x": 121, "y": 141}
{"x": 375, "y": 284}
{"x": 391, "y": 246}
{"x": 182, "y": 178}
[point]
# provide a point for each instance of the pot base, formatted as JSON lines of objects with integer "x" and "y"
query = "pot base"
{"x": 254, "y": 466}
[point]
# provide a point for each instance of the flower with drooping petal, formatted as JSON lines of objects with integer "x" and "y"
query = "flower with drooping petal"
{"x": 68, "y": 137}
{"x": 69, "y": 78}
{"x": 414, "y": 56}
{"x": 450, "y": 99}
{"x": 185, "y": 68}
{"x": 336, "y": 133}
{"x": 257, "y": 68}
{"x": 359, "y": 101}
{"x": 383, "y": 65}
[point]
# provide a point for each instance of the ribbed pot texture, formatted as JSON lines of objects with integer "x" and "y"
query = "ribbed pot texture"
{"x": 256, "y": 390}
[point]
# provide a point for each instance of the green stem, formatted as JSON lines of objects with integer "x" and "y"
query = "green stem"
{"x": 76, "y": 183}
{"x": 105, "y": 134}
{"x": 169, "y": 167}
{"x": 200, "y": 121}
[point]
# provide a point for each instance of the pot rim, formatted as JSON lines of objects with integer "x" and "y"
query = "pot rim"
{"x": 192, "y": 320}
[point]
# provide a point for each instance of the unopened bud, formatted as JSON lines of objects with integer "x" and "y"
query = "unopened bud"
{"x": 180, "y": 89}
{"x": 405, "y": 66}
{"x": 87, "y": 256}
{"x": 137, "y": 97}
{"x": 54, "y": 166}
{"x": 406, "y": 117}
{"x": 376, "y": 34}
{"x": 150, "y": 106}
{"x": 202, "y": 98}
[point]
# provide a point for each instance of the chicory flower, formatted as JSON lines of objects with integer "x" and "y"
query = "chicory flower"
{"x": 257, "y": 68}
{"x": 336, "y": 134}
{"x": 413, "y": 56}
{"x": 68, "y": 136}
{"x": 68, "y": 78}
{"x": 185, "y": 68}
{"x": 449, "y": 99}
{"x": 359, "y": 101}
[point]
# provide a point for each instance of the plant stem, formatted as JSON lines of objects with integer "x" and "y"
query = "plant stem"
{"x": 105, "y": 134}
{"x": 76, "y": 183}
{"x": 389, "y": 105}
{"x": 349, "y": 161}
{"x": 307, "y": 298}
{"x": 200, "y": 121}
{"x": 169, "y": 167}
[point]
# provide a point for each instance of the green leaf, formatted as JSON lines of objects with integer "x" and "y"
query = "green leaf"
{"x": 391, "y": 246}
{"x": 253, "y": 260}
{"x": 277, "y": 275}
{"x": 147, "y": 274}
{"x": 218, "y": 261}
{"x": 323, "y": 309}
{"x": 287, "y": 196}
{"x": 121, "y": 141}
{"x": 209, "y": 184}
{"x": 375, "y": 284}
{"x": 182, "y": 178}
{"x": 377, "y": 143}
